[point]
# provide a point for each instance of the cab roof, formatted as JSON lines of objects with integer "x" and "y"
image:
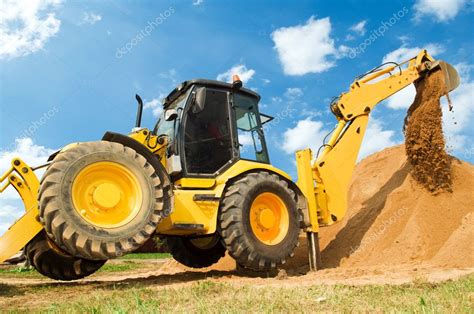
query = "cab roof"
{"x": 184, "y": 86}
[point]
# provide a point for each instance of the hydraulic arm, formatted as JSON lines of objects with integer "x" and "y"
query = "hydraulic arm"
{"x": 25, "y": 182}
{"x": 325, "y": 182}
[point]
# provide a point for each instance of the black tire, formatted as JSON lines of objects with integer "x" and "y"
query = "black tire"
{"x": 235, "y": 226}
{"x": 74, "y": 234}
{"x": 52, "y": 262}
{"x": 191, "y": 253}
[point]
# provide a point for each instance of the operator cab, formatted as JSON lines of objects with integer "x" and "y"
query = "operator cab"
{"x": 211, "y": 125}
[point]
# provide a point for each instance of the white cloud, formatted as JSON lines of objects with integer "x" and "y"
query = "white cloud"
{"x": 169, "y": 81}
{"x": 376, "y": 138}
{"x": 404, "y": 53}
{"x": 457, "y": 124}
{"x": 349, "y": 37}
{"x": 198, "y": 2}
{"x": 27, "y": 150}
{"x": 91, "y": 18}
{"x": 240, "y": 70}
{"x": 293, "y": 92}
{"x": 245, "y": 139}
{"x": 155, "y": 105}
{"x": 25, "y": 27}
{"x": 343, "y": 51}
{"x": 306, "y": 48}
{"x": 441, "y": 10}
{"x": 359, "y": 28}
{"x": 170, "y": 75}
{"x": 311, "y": 133}
{"x": 403, "y": 99}
{"x": 11, "y": 207}
{"x": 306, "y": 133}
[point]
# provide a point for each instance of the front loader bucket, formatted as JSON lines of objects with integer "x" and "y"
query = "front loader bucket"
{"x": 25, "y": 182}
{"x": 18, "y": 235}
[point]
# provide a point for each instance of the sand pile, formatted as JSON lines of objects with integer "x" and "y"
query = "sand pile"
{"x": 424, "y": 140}
{"x": 393, "y": 220}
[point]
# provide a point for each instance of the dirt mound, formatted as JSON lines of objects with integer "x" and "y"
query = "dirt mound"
{"x": 424, "y": 140}
{"x": 393, "y": 220}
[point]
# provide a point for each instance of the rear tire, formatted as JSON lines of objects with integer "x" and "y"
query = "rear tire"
{"x": 107, "y": 224}
{"x": 51, "y": 262}
{"x": 259, "y": 221}
{"x": 196, "y": 252}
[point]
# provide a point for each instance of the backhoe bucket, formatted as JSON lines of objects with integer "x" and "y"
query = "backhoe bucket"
{"x": 451, "y": 76}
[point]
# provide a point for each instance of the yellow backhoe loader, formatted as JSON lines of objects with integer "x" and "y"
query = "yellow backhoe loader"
{"x": 195, "y": 181}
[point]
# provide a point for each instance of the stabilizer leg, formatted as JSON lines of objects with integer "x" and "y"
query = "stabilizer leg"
{"x": 313, "y": 251}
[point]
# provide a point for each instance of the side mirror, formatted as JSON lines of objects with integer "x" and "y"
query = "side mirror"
{"x": 199, "y": 100}
{"x": 171, "y": 114}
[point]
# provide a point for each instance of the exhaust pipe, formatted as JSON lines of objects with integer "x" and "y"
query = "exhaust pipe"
{"x": 139, "y": 111}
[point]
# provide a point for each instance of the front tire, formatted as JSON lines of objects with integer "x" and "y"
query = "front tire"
{"x": 51, "y": 262}
{"x": 100, "y": 200}
{"x": 259, "y": 221}
{"x": 197, "y": 252}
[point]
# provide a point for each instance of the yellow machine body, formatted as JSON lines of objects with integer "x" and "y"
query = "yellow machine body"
{"x": 323, "y": 183}
{"x": 196, "y": 201}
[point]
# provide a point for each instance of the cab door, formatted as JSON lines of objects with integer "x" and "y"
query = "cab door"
{"x": 207, "y": 136}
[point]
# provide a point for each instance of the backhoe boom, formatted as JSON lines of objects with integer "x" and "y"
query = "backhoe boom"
{"x": 332, "y": 170}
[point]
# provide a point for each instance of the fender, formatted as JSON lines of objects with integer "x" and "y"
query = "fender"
{"x": 149, "y": 156}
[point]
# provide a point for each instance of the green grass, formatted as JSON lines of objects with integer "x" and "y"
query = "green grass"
{"x": 17, "y": 270}
{"x": 146, "y": 256}
{"x": 125, "y": 264}
{"x": 209, "y": 296}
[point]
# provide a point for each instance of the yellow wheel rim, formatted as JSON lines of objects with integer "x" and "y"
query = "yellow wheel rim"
{"x": 106, "y": 194}
{"x": 269, "y": 218}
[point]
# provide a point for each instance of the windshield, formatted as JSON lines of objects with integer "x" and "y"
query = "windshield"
{"x": 164, "y": 127}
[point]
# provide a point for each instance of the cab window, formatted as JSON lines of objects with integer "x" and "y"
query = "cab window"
{"x": 249, "y": 129}
{"x": 207, "y": 136}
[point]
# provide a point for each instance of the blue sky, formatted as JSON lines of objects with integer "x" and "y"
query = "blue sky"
{"x": 70, "y": 69}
